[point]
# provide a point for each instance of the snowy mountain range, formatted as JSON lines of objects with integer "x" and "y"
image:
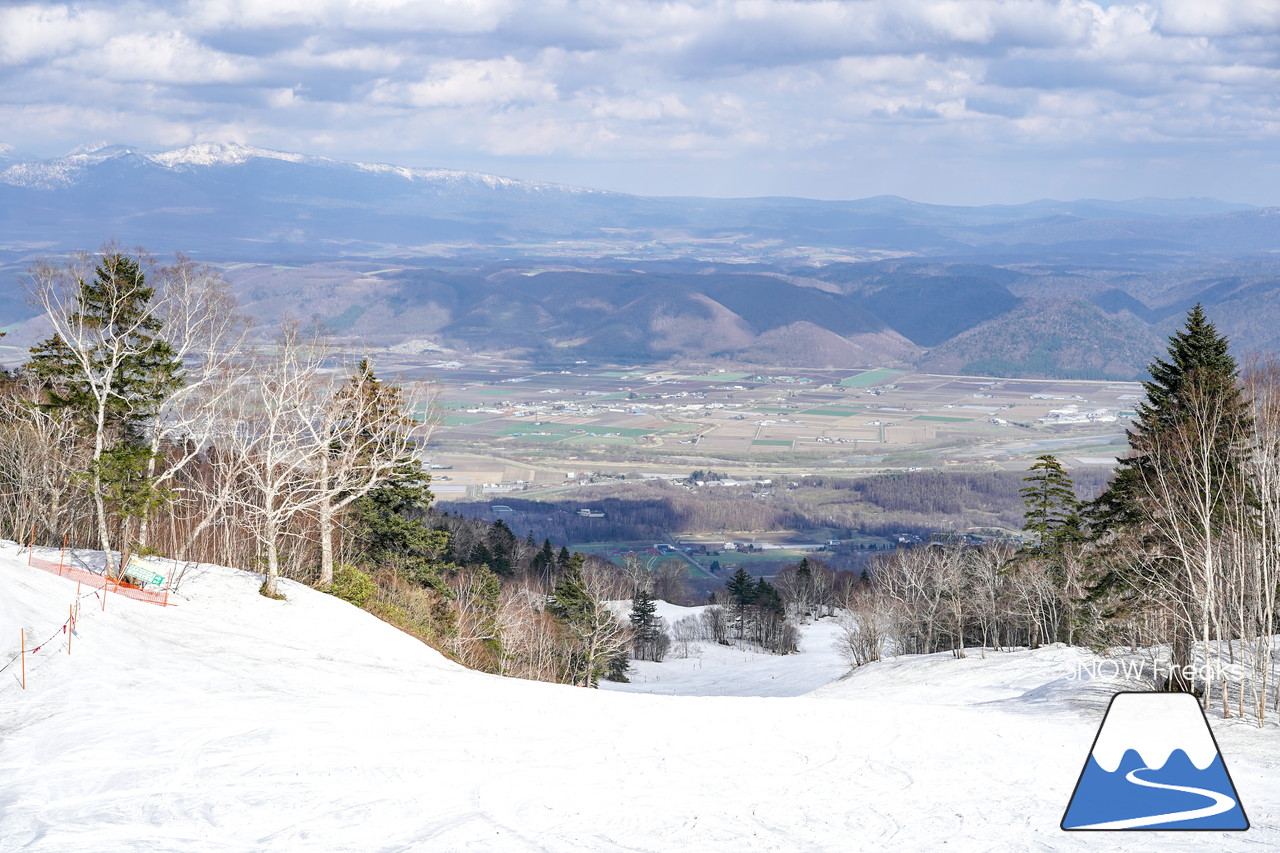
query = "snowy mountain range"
{"x": 476, "y": 262}
{"x": 74, "y": 167}
{"x": 238, "y": 202}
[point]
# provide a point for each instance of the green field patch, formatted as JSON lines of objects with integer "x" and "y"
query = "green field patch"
{"x": 944, "y": 420}
{"x": 545, "y": 426}
{"x": 769, "y": 442}
{"x": 459, "y": 420}
{"x": 871, "y": 377}
{"x": 491, "y": 392}
{"x": 775, "y": 410}
{"x": 528, "y": 429}
{"x": 597, "y": 547}
{"x": 773, "y": 555}
{"x": 626, "y": 432}
{"x": 832, "y": 413}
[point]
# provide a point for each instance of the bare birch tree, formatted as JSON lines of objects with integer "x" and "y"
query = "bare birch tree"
{"x": 366, "y": 437}
{"x": 268, "y": 443}
{"x": 106, "y": 365}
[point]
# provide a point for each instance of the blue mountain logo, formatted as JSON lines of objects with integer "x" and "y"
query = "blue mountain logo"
{"x": 1154, "y": 765}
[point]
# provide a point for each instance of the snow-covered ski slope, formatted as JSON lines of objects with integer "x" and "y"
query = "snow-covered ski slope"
{"x": 235, "y": 723}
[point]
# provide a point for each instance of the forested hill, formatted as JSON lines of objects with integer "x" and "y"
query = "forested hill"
{"x": 481, "y": 264}
{"x": 918, "y": 503}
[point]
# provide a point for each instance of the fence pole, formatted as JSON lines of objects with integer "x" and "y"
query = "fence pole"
{"x": 104, "y": 594}
{"x": 31, "y": 542}
{"x": 71, "y": 624}
{"x": 23, "y": 635}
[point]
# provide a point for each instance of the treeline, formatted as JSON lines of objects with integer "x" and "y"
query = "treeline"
{"x": 147, "y": 424}
{"x": 749, "y": 612}
{"x": 947, "y": 493}
{"x": 635, "y": 512}
{"x": 1179, "y": 554}
{"x": 919, "y": 503}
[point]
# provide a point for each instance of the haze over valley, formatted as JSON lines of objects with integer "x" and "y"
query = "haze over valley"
{"x": 450, "y": 261}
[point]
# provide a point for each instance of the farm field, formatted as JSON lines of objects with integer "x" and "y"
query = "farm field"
{"x": 511, "y": 426}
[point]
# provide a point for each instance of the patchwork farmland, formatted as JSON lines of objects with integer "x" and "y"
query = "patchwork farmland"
{"x": 504, "y": 426}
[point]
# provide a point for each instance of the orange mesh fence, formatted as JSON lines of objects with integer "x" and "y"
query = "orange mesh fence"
{"x": 97, "y": 581}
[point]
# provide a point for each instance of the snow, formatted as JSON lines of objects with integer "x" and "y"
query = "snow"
{"x": 68, "y": 170}
{"x": 711, "y": 669}
{"x": 233, "y": 722}
{"x": 220, "y": 154}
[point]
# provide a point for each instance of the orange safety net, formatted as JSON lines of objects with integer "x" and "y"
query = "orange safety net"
{"x": 107, "y": 584}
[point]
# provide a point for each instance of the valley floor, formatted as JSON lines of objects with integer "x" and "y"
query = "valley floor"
{"x": 235, "y": 723}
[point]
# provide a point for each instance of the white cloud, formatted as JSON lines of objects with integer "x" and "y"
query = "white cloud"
{"x": 323, "y": 52}
{"x": 33, "y": 32}
{"x": 161, "y": 57}
{"x": 460, "y": 16}
{"x": 1219, "y": 17}
{"x": 463, "y": 83}
{"x": 783, "y": 87}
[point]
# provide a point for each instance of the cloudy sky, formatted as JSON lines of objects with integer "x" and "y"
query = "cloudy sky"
{"x": 954, "y": 101}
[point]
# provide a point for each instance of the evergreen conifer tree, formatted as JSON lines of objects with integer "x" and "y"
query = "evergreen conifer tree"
{"x": 741, "y": 587}
{"x": 618, "y": 666}
{"x": 765, "y": 597}
{"x": 368, "y": 433}
{"x": 1194, "y": 405}
{"x": 1199, "y": 363}
{"x": 544, "y": 561}
{"x": 644, "y": 624}
{"x": 597, "y": 637}
{"x": 502, "y": 548}
{"x": 742, "y": 592}
{"x": 109, "y": 374}
{"x": 1052, "y": 510}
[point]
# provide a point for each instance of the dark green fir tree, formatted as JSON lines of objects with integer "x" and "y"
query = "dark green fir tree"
{"x": 1052, "y": 513}
{"x": 109, "y": 374}
{"x": 1188, "y": 441}
{"x": 1199, "y": 365}
{"x": 644, "y": 624}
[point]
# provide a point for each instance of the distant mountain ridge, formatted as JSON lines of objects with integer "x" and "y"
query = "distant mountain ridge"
{"x": 70, "y": 168}
{"x": 221, "y": 197}
{"x": 477, "y": 262}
